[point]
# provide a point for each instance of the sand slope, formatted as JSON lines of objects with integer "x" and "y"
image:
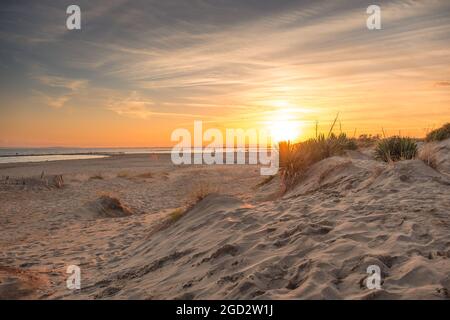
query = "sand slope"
{"x": 315, "y": 242}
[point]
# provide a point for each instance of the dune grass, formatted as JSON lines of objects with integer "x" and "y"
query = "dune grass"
{"x": 428, "y": 155}
{"x": 395, "y": 149}
{"x": 439, "y": 134}
{"x": 109, "y": 205}
{"x": 97, "y": 176}
{"x": 123, "y": 174}
{"x": 176, "y": 214}
{"x": 145, "y": 175}
{"x": 367, "y": 140}
{"x": 199, "y": 192}
{"x": 295, "y": 159}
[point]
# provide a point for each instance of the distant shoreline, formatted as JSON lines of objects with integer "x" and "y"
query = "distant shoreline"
{"x": 13, "y": 152}
{"x": 63, "y": 154}
{"x": 17, "y": 152}
{"x": 52, "y": 157}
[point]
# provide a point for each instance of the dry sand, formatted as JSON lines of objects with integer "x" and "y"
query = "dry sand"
{"x": 244, "y": 241}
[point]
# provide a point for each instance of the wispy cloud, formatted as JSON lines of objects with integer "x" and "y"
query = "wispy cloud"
{"x": 137, "y": 107}
{"x": 51, "y": 101}
{"x": 225, "y": 60}
{"x": 442, "y": 84}
{"x": 61, "y": 82}
{"x": 132, "y": 105}
{"x": 56, "y": 91}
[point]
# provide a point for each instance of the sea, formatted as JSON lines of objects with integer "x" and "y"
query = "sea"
{"x": 15, "y": 155}
{"x": 20, "y": 155}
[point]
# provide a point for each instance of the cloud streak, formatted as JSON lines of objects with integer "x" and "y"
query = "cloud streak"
{"x": 229, "y": 60}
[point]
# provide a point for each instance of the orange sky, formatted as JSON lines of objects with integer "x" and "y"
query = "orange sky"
{"x": 238, "y": 66}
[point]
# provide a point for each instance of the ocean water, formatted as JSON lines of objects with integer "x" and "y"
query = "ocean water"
{"x": 7, "y": 152}
{"x": 21, "y": 159}
{"x": 16, "y": 155}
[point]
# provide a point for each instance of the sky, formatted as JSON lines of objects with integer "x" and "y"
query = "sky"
{"x": 137, "y": 70}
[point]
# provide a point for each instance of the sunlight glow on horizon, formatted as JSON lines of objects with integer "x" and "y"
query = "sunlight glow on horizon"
{"x": 277, "y": 65}
{"x": 284, "y": 126}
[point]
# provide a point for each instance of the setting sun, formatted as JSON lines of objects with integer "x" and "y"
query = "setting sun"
{"x": 284, "y": 126}
{"x": 285, "y": 130}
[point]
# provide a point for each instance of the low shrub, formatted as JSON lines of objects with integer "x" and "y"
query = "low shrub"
{"x": 395, "y": 149}
{"x": 295, "y": 159}
{"x": 439, "y": 134}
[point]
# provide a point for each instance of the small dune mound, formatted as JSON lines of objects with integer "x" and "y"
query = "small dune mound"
{"x": 339, "y": 173}
{"x": 110, "y": 207}
{"x": 405, "y": 173}
{"x": 213, "y": 202}
{"x": 198, "y": 211}
{"x": 345, "y": 175}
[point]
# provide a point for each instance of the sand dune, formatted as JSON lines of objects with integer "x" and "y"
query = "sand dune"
{"x": 107, "y": 207}
{"x": 244, "y": 241}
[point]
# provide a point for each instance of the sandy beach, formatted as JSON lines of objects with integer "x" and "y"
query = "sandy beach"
{"x": 140, "y": 227}
{"x": 183, "y": 151}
